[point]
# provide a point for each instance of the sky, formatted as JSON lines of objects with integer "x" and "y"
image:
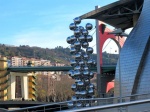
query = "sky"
{"x": 43, "y": 23}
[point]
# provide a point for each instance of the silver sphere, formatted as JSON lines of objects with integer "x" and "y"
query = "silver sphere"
{"x": 70, "y": 72}
{"x": 77, "y": 80}
{"x": 82, "y": 38}
{"x": 72, "y": 46}
{"x": 77, "y": 92}
{"x": 74, "y": 98}
{"x": 91, "y": 91}
{"x": 77, "y": 45}
{"x": 81, "y": 62}
{"x": 77, "y": 73}
{"x": 73, "y": 50}
{"x": 83, "y": 92}
{"x": 77, "y": 20}
{"x": 89, "y": 26}
{"x": 73, "y": 87}
{"x": 89, "y": 38}
{"x": 86, "y": 73}
{"x": 72, "y": 26}
{"x": 85, "y": 44}
{"x": 87, "y": 81}
{"x": 86, "y": 68}
{"x": 80, "y": 83}
{"x": 79, "y": 104}
{"x": 77, "y": 32}
{"x": 89, "y": 50}
{"x": 91, "y": 74}
{"x": 78, "y": 56}
{"x": 77, "y": 68}
{"x": 84, "y": 32}
{"x": 73, "y": 62}
{"x": 81, "y": 28}
{"x": 91, "y": 86}
{"x": 70, "y": 104}
{"x": 90, "y": 62}
{"x": 73, "y": 39}
{"x": 68, "y": 40}
{"x": 85, "y": 56}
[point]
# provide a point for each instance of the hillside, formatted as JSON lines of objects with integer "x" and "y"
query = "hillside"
{"x": 58, "y": 54}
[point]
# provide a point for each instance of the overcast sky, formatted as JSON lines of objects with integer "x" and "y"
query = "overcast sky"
{"x": 43, "y": 23}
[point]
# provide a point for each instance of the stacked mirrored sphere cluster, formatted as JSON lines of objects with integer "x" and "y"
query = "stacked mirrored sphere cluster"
{"x": 79, "y": 48}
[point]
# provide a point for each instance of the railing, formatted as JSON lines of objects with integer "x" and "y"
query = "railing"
{"x": 94, "y": 102}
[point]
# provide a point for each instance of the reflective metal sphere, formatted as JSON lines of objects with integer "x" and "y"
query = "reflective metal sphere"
{"x": 91, "y": 74}
{"x": 87, "y": 81}
{"x": 82, "y": 38}
{"x": 78, "y": 56}
{"x": 90, "y": 62}
{"x": 77, "y": 73}
{"x": 77, "y": 80}
{"x": 77, "y": 20}
{"x": 73, "y": 87}
{"x": 84, "y": 32}
{"x": 81, "y": 28}
{"x": 77, "y": 32}
{"x": 79, "y": 104}
{"x": 89, "y": 38}
{"x": 91, "y": 91}
{"x": 83, "y": 92}
{"x": 74, "y": 98}
{"x": 81, "y": 62}
{"x": 73, "y": 39}
{"x": 85, "y": 56}
{"x": 70, "y": 72}
{"x": 70, "y": 104}
{"x": 77, "y": 92}
{"x": 94, "y": 63}
{"x": 89, "y": 26}
{"x": 72, "y": 46}
{"x": 91, "y": 86}
{"x": 80, "y": 83}
{"x": 86, "y": 68}
{"x": 73, "y": 50}
{"x": 77, "y": 68}
{"x": 86, "y": 73}
{"x": 89, "y": 50}
{"x": 77, "y": 45}
{"x": 72, "y": 26}
{"x": 85, "y": 44}
{"x": 73, "y": 62}
{"x": 68, "y": 40}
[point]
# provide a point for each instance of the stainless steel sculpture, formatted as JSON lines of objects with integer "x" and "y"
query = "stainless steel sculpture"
{"x": 79, "y": 47}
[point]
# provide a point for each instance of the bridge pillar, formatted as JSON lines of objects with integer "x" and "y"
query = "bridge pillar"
{"x": 12, "y": 87}
{"x": 24, "y": 86}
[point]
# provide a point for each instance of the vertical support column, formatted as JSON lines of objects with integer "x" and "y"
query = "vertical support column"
{"x": 13, "y": 86}
{"x": 98, "y": 57}
{"x": 24, "y": 86}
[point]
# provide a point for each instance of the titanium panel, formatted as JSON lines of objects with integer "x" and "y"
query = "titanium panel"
{"x": 135, "y": 57}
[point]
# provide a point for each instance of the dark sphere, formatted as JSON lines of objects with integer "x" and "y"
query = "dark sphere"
{"x": 89, "y": 50}
{"x": 72, "y": 26}
{"x": 73, "y": 63}
{"x": 82, "y": 38}
{"x": 73, "y": 87}
{"x": 73, "y": 39}
{"x": 91, "y": 75}
{"x": 72, "y": 46}
{"x": 89, "y": 38}
{"x": 90, "y": 62}
{"x": 85, "y": 44}
{"x": 84, "y": 32}
{"x": 72, "y": 50}
{"x": 77, "y": 68}
{"x": 68, "y": 40}
{"x": 77, "y": 44}
{"x": 85, "y": 56}
{"x": 81, "y": 62}
{"x": 89, "y": 26}
{"x": 78, "y": 56}
{"x": 77, "y": 32}
{"x": 70, "y": 104}
{"x": 77, "y": 20}
{"x": 81, "y": 28}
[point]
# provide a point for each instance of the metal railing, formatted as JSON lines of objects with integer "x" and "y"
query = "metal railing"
{"x": 94, "y": 102}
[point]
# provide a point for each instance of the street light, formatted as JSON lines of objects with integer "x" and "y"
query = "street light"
{"x": 119, "y": 33}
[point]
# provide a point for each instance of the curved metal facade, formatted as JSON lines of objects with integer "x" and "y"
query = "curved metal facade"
{"x": 135, "y": 57}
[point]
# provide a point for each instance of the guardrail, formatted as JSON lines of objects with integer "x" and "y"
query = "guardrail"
{"x": 94, "y": 102}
